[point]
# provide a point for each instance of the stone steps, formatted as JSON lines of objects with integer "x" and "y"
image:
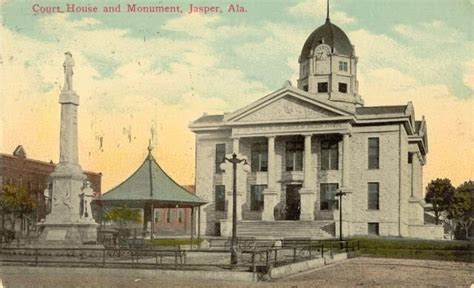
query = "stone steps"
{"x": 286, "y": 229}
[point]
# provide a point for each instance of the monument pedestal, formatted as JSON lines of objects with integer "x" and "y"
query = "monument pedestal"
{"x": 76, "y": 234}
{"x": 64, "y": 225}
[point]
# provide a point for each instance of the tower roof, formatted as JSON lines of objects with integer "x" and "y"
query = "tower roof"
{"x": 331, "y": 35}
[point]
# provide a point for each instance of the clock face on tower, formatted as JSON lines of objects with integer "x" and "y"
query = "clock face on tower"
{"x": 322, "y": 52}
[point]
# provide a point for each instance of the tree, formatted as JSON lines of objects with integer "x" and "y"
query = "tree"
{"x": 123, "y": 216}
{"x": 460, "y": 210}
{"x": 17, "y": 202}
{"x": 439, "y": 193}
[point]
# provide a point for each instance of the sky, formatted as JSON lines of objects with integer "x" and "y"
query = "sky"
{"x": 147, "y": 76}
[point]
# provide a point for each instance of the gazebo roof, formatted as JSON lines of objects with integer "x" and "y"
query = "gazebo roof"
{"x": 150, "y": 184}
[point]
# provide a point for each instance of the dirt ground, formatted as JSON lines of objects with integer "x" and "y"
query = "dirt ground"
{"x": 362, "y": 272}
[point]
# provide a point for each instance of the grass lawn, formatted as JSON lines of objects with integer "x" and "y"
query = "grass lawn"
{"x": 417, "y": 249}
{"x": 173, "y": 242}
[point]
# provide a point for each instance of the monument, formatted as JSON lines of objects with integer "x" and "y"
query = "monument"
{"x": 70, "y": 220}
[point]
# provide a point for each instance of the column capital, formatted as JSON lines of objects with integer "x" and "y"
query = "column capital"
{"x": 271, "y": 136}
{"x": 307, "y": 134}
{"x": 346, "y": 133}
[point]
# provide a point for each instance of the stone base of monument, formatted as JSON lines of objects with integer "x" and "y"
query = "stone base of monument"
{"x": 73, "y": 234}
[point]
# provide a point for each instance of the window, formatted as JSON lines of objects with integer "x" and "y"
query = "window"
{"x": 220, "y": 198}
{"x": 373, "y": 228}
{"x": 256, "y": 197}
{"x": 220, "y": 154}
{"x": 343, "y": 87}
{"x": 329, "y": 155}
{"x": 342, "y": 66}
{"x": 410, "y": 158}
{"x": 322, "y": 87}
{"x": 180, "y": 215}
{"x": 373, "y": 196}
{"x": 328, "y": 196}
{"x": 294, "y": 156}
{"x": 305, "y": 88}
{"x": 259, "y": 157}
{"x": 168, "y": 216}
{"x": 373, "y": 153}
{"x": 157, "y": 215}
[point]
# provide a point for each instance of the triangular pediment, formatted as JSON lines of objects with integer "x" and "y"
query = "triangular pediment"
{"x": 286, "y": 106}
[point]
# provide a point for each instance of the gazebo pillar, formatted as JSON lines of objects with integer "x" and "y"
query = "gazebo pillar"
{"x": 199, "y": 226}
{"x": 192, "y": 226}
{"x": 145, "y": 220}
{"x": 152, "y": 220}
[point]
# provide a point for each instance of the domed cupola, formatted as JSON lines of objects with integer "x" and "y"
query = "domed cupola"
{"x": 328, "y": 66}
{"x": 331, "y": 35}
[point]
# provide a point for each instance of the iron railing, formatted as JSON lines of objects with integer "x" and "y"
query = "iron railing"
{"x": 255, "y": 258}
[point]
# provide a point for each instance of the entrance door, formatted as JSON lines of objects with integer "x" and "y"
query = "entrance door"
{"x": 293, "y": 202}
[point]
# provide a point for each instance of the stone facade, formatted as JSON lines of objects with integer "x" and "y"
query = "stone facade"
{"x": 317, "y": 139}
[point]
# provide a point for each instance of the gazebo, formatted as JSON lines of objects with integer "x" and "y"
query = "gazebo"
{"x": 148, "y": 188}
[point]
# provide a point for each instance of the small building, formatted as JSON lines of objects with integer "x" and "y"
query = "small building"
{"x": 34, "y": 176}
{"x": 173, "y": 221}
{"x": 305, "y": 143}
{"x": 150, "y": 189}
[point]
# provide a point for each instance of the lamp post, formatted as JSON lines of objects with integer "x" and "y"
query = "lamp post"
{"x": 340, "y": 194}
{"x": 234, "y": 160}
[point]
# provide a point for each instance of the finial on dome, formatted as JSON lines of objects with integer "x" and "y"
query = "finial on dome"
{"x": 327, "y": 12}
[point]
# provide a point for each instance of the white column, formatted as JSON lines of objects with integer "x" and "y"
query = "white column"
{"x": 270, "y": 194}
{"x": 307, "y": 162}
{"x": 307, "y": 192}
{"x": 235, "y": 146}
{"x": 346, "y": 187}
{"x": 345, "y": 161}
{"x": 271, "y": 163}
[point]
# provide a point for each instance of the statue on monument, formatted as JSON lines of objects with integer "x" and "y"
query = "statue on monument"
{"x": 87, "y": 192}
{"x": 68, "y": 72}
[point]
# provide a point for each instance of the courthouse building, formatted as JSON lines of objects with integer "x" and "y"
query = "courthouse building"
{"x": 307, "y": 142}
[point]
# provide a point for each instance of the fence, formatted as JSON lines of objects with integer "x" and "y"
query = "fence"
{"x": 256, "y": 258}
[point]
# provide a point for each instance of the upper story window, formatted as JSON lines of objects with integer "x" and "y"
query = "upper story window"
{"x": 329, "y": 155}
{"x": 373, "y": 196}
{"x": 328, "y": 196}
{"x": 343, "y": 87}
{"x": 219, "y": 200}
{"x": 256, "y": 197}
{"x": 373, "y": 153}
{"x": 305, "y": 88}
{"x": 294, "y": 156}
{"x": 343, "y": 66}
{"x": 322, "y": 87}
{"x": 259, "y": 157}
{"x": 410, "y": 158}
{"x": 220, "y": 154}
